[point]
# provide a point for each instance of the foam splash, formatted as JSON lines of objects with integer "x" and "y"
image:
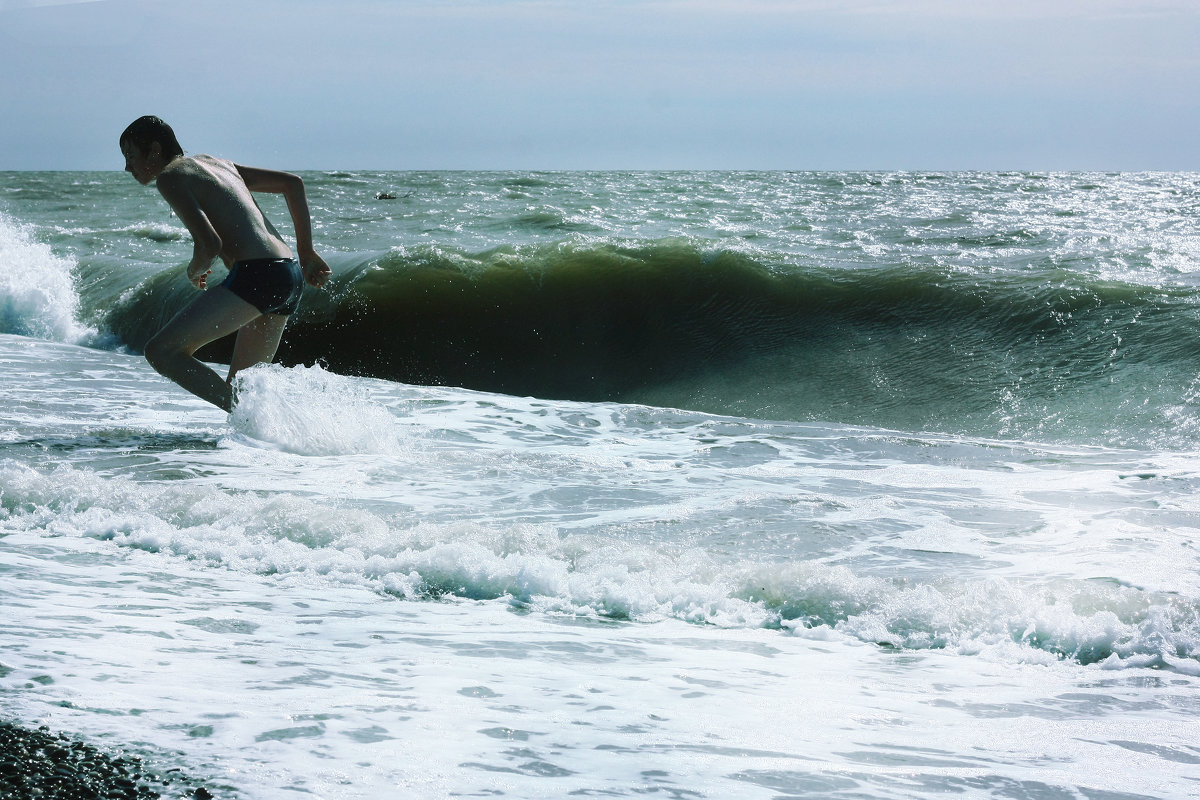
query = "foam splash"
{"x": 37, "y": 290}
{"x": 309, "y": 411}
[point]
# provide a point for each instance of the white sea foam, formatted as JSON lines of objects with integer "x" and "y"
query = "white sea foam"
{"x": 1032, "y": 621}
{"x": 309, "y": 411}
{"x": 37, "y": 289}
{"x": 330, "y": 692}
{"x": 580, "y": 575}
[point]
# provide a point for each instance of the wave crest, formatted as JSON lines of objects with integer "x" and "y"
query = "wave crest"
{"x": 37, "y": 289}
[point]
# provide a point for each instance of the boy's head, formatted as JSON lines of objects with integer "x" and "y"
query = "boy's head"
{"x": 145, "y": 131}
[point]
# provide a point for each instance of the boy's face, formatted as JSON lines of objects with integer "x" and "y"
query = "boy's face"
{"x": 140, "y": 165}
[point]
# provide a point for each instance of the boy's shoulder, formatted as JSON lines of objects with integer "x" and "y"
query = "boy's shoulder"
{"x": 189, "y": 169}
{"x": 180, "y": 168}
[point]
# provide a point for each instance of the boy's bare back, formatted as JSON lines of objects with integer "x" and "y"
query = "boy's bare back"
{"x": 216, "y": 189}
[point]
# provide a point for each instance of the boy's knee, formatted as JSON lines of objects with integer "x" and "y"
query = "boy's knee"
{"x": 160, "y": 352}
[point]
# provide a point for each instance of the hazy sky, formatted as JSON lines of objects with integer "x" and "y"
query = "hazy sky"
{"x": 583, "y": 84}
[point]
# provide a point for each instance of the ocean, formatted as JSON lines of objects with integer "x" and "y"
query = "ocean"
{"x": 613, "y": 484}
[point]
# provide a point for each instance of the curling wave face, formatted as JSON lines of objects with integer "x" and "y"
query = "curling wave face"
{"x": 671, "y": 323}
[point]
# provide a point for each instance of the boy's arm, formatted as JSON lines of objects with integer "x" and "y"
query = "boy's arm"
{"x": 206, "y": 242}
{"x": 316, "y": 272}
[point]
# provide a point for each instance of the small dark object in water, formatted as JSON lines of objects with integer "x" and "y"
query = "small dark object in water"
{"x": 385, "y": 196}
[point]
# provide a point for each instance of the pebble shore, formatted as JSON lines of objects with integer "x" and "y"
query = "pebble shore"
{"x": 37, "y": 764}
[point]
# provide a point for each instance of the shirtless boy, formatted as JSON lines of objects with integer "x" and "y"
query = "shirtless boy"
{"x": 212, "y": 198}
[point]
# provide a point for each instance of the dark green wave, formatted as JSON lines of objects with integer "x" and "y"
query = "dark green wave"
{"x": 1047, "y": 353}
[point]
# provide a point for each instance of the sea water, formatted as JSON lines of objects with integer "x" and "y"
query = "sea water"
{"x": 617, "y": 484}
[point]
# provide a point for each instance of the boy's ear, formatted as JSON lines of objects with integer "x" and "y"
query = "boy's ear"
{"x": 155, "y": 149}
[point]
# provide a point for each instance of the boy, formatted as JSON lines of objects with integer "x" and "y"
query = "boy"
{"x": 212, "y": 198}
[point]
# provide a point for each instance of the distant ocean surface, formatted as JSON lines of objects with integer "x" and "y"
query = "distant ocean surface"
{"x": 683, "y": 484}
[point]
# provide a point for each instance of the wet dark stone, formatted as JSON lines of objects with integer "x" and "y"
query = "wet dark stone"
{"x": 41, "y": 765}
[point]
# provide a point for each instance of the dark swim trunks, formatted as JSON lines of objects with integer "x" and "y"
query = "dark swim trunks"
{"x": 272, "y": 285}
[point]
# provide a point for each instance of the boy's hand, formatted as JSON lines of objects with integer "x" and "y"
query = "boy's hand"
{"x": 198, "y": 275}
{"x": 315, "y": 270}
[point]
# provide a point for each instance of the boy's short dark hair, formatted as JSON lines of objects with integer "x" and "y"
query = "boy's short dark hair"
{"x": 144, "y": 131}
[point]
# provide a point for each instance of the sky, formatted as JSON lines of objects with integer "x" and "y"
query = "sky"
{"x": 609, "y": 84}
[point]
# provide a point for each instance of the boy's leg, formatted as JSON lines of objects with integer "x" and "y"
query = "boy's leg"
{"x": 216, "y": 313}
{"x": 257, "y": 342}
